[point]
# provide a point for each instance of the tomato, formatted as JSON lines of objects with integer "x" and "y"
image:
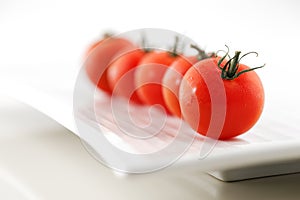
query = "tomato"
{"x": 205, "y": 85}
{"x": 121, "y": 74}
{"x": 173, "y": 77}
{"x": 171, "y": 82}
{"x": 149, "y": 75}
{"x": 100, "y": 56}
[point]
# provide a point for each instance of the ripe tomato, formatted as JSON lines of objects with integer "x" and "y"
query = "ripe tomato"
{"x": 121, "y": 74}
{"x": 206, "y": 83}
{"x": 95, "y": 44}
{"x": 149, "y": 75}
{"x": 173, "y": 77}
{"x": 101, "y": 55}
{"x": 171, "y": 82}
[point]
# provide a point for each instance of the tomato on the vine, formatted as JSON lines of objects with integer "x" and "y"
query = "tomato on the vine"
{"x": 96, "y": 43}
{"x": 243, "y": 95}
{"x": 173, "y": 76}
{"x": 121, "y": 74}
{"x": 100, "y": 55}
{"x": 149, "y": 75}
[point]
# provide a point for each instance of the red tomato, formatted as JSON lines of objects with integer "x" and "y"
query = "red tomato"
{"x": 121, "y": 74}
{"x": 206, "y": 82}
{"x": 149, "y": 74}
{"x": 171, "y": 82}
{"x": 100, "y": 56}
{"x": 173, "y": 77}
{"x": 95, "y": 44}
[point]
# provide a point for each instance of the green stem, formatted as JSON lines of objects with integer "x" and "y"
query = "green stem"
{"x": 174, "y": 52}
{"x": 201, "y": 53}
{"x": 223, "y": 58}
{"x": 234, "y": 65}
{"x": 144, "y": 44}
{"x": 229, "y": 70}
{"x": 107, "y": 35}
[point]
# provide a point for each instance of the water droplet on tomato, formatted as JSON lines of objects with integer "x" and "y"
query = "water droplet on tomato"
{"x": 194, "y": 90}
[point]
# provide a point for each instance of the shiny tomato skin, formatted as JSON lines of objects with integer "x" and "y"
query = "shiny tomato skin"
{"x": 149, "y": 75}
{"x": 171, "y": 82}
{"x": 100, "y": 56}
{"x": 121, "y": 74}
{"x": 244, "y": 97}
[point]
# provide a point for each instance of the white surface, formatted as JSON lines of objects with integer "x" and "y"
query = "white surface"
{"x": 40, "y": 159}
{"x": 42, "y": 43}
{"x": 272, "y": 140}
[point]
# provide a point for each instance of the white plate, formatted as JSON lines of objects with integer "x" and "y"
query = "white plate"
{"x": 273, "y": 142}
{"x": 270, "y": 148}
{"x": 275, "y": 139}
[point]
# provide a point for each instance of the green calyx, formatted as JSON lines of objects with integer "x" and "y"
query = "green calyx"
{"x": 229, "y": 71}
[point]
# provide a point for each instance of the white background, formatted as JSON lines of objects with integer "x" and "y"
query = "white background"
{"x": 51, "y": 36}
{"x": 44, "y": 41}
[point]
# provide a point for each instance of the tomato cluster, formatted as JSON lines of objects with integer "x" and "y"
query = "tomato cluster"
{"x": 219, "y": 97}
